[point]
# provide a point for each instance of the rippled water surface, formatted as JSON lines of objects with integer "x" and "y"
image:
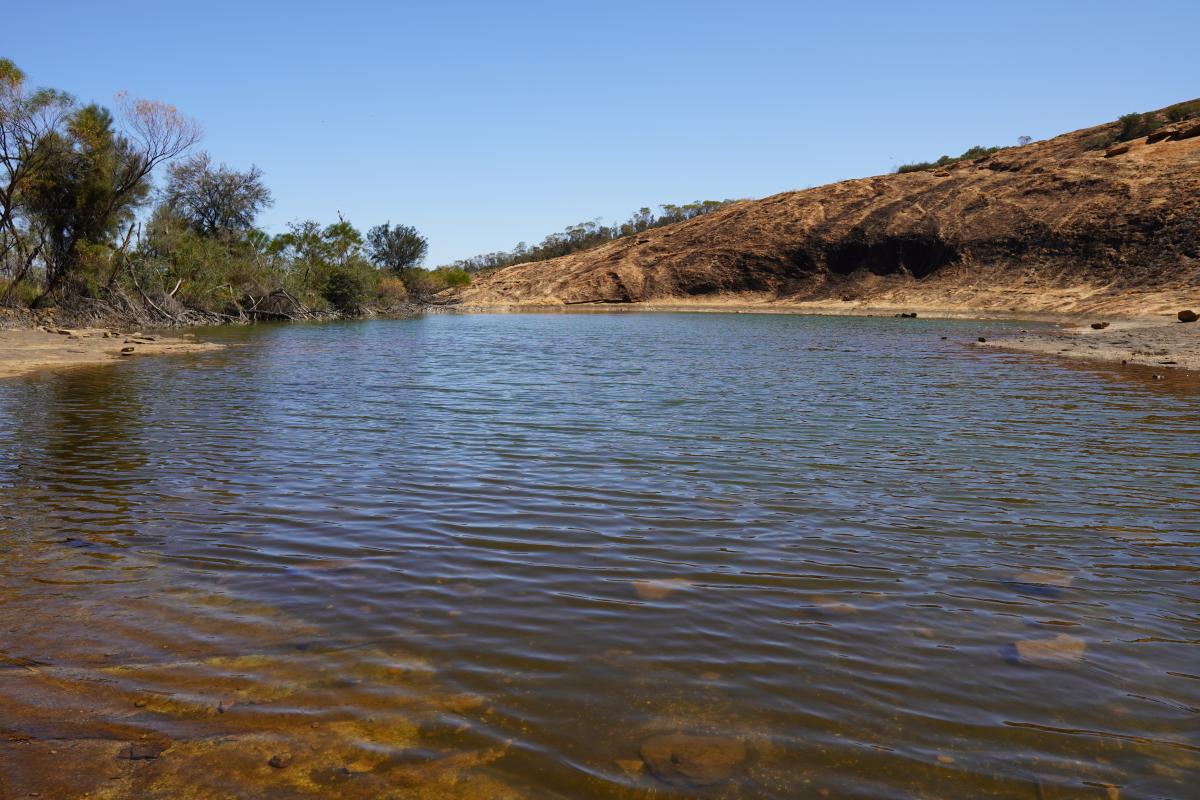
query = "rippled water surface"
{"x": 492, "y": 556}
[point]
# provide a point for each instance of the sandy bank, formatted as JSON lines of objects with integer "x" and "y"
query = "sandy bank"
{"x": 24, "y": 351}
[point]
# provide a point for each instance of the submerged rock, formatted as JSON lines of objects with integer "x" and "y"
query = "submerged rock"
{"x": 280, "y": 760}
{"x": 1045, "y": 582}
{"x": 657, "y": 589}
{"x": 686, "y": 760}
{"x": 1061, "y": 652}
{"x": 141, "y": 751}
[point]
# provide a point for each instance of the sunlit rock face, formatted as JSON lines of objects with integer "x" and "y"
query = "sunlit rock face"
{"x": 1057, "y": 225}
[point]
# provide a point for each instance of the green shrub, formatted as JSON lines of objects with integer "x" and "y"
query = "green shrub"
{"x": 978, "y": 151}
{"x": 345, "y": 290}
{"x": 1100, "y": 141}
{"x": 1137, "y": 124}
{"x": 23, "y": 295}
{"x": 1182, "y": 111}
{"x": 452, "y": 276}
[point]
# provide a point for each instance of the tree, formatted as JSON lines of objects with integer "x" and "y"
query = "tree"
{"x": 94, "y": 177}
{"x": 26, "y": 120}
{"x": 215, "y": 200}
{"x": 396, "y": 247}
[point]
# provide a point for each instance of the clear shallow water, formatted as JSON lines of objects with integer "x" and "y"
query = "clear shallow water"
{"x": 406, "y": 554}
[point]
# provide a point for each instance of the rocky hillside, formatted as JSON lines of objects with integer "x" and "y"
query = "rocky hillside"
{"x": 1069, "y": 224}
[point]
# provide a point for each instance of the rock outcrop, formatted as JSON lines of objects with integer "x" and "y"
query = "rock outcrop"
{"x": 1067, "y": 224}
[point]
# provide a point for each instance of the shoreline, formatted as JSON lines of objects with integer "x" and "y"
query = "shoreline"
{"x": 1155, "y": 341}
{"x": 1151, "y": 340}
{"x": 28, "y": 350}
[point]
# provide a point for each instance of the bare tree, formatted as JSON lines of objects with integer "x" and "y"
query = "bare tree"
{"x": 158, "y": 133}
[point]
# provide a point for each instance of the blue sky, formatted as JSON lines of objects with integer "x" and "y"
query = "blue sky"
{"x": 487, "y": 123}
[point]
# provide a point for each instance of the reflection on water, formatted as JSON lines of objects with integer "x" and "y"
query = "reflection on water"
{"x": 599, "y": 556}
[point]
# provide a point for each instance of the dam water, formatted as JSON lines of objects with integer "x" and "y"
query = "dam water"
{"x": 600, "y": 555}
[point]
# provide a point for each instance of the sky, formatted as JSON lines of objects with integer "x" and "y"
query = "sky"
{"x": 488, "y": 123}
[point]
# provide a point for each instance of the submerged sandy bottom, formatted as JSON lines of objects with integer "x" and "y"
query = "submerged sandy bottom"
{"x": 660, "y": 555}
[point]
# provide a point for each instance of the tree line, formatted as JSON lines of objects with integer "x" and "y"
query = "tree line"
{"x": 587, "y": 235}
{"x": 85, "y": 224}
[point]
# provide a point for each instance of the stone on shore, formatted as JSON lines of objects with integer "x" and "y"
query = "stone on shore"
{"x": 1188, "y": 315}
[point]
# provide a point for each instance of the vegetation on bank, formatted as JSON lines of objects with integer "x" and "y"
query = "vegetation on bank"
{"x": 978, "y": 151}
{"x": 587, "y": 235}
{"x": 1137, "y": 124}
{"x": 82, "y": 223}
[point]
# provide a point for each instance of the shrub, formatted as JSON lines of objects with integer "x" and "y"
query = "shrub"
{"x": 1137, "y": 124}
{"x": 23, "y": 295}
{"x": 452, "y": 276}
{"x": 391, "y": 291}
{"x": 345, "y": 291}
{"x": 1100, "y": 141}
{"x": 978, "y": 151}
{"x": 1182, "y": 111}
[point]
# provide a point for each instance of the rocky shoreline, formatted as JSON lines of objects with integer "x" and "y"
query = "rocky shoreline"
{"x": 1151, "y": 342}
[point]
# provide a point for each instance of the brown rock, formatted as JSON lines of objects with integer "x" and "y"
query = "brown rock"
{"x": 1099, "y": 326}
{"x": 686, "y": 760}
{"x": 1186, "y": 133}
{"x": 1187, "y": 315}
{"x": 1117, "y": 150}
{"x": 141, "y": 751}
{"x": 631, "y": 766}
{"x": 280, "y": 760}
{"x": 360, "y": 766}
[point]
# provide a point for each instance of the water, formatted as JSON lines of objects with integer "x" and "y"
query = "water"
{"x": 491, "y": 556}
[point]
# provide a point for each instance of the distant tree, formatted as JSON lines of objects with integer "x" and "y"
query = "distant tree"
{"x": 396, "y": 247}
{"x": 1024, "y": 140}
{"x": 215, "y": 200}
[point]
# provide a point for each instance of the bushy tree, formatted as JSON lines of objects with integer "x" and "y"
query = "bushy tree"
{"x": 95, "y": 176}
{"x": 27, "y": 119}
{"x": 214, "y": 199}
{"x": 396, "y": 247}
